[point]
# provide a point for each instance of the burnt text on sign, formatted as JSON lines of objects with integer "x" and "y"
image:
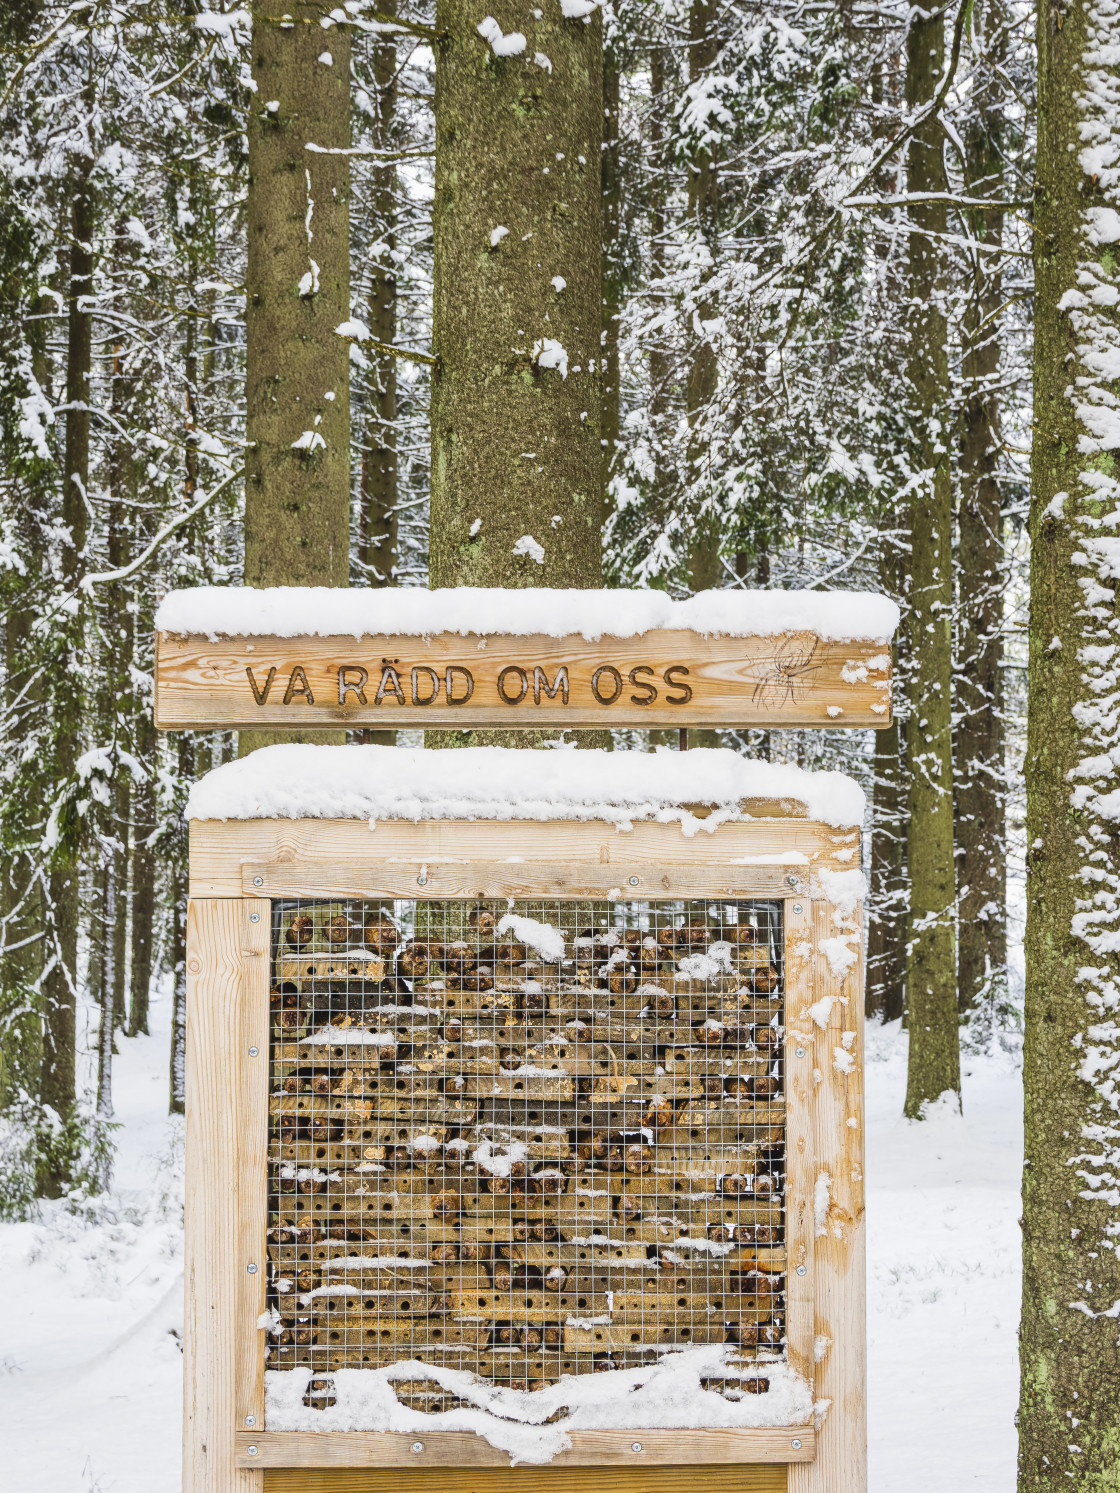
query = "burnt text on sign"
{"x": 660, "y": 678}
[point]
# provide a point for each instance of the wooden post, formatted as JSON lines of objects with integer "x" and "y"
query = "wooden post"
{"x": 830, "y": 1025}
{"x": 218, "y": 939}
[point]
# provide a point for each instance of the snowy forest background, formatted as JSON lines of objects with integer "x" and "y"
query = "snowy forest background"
{"x": 767, "y": 262}
{"x": 817, "y": 295}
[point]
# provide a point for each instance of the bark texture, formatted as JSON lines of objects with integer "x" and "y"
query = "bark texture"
{"x": 934, "y": 1064}
{"x": 979, "y": 741}
{"x": 516, "y": 487}
{"x": 1069, "y": 1412}
{"x": 703, "y": 197}
{"x": 612, "y": 263}
{"x": 297, "y": 483}
{"x": 377, "y": 520}
{"x": 516, "y": 393}
{"x": 60, "y": 980}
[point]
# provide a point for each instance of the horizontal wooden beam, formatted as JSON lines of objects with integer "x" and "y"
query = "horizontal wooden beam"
{"x": 662, "y": 678}
{"x": 762, "y": 1477}
{"x": 372, "y": 878}
{"x": 475, "y": 848}
{"x": 463, "y": 1449}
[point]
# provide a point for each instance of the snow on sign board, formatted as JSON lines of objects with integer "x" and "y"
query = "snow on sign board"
{"x": 310, "y": 658}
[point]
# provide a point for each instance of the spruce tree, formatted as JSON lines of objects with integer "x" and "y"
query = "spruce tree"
{"x": 1069, "y": 1409}
{"x": 934, "y": 1064}
{"x": 297, "y": 483}
{"x": 516, "y": 388}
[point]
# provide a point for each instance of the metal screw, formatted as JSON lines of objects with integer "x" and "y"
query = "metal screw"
{"x": 796, "y": 1443}
{"x": 250, "y": 1420}
{"x": 636, "y": 1447}
{"x": 801, "y": 1270}
{"x": 258, "y": 881}
{"x": 254, "y": 917}
{"x": 251, "y": 1450}
{"x": 793, "y": 880}
{"x": 633, "y": 881}
{"x": 417, "y": 1446}
{"x": 252, "y": 1269}
{"x": 422, "y": 880}
{"x": 800, "y": 1052}
{"x": 253, "y": 1052}
{"x": 797, "y": 907}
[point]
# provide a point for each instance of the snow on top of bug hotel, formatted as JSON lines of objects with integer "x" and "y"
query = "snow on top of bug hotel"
{"x": 375, "y": 782}
{"x": 319, "y": 611}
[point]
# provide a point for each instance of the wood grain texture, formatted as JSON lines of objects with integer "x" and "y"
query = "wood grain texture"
{"x": 252, "y": 1160}
{"x": 534, "y": 879}
{"x": 833, "y": 1033}
{"x": 801, "y": 1161}
{"x": 763, "y": 1478}
{"x": 212, "y": 1268}
{"x": 791, "y": 846}
{"x": 664, "y": 678}
{"x": 456, "y": 1449}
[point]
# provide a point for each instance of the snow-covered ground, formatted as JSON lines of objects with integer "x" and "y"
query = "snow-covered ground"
{"x": 89, "y": 1349}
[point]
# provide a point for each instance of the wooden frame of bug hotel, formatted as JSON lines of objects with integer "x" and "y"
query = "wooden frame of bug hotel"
{"x": 524, "y": 1132}
{"x": 421, "y": 1130}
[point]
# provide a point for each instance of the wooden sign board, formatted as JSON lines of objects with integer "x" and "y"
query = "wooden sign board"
{"x": 660, "y": 678}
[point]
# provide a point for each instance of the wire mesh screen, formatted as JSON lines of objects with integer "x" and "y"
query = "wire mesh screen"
{"x": 525, "y": 1139}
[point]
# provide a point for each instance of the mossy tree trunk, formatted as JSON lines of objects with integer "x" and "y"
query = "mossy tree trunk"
{"x": 978, "y": 748}
{"x": 1069, "y": 1409}
{"x": 516, "y": 391}
{"x": 934, "y": 1065}
{"x": 297, "y": 482}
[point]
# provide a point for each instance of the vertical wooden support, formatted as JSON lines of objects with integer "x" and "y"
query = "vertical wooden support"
{"x": 828, "y": 1022}
{"x": 801, "y": 1162}
{"x": 213, "y": 1267}
{"x": 252, "y": 1162}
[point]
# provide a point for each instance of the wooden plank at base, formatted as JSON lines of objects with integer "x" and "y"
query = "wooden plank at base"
{"x": 765, "y": 1477}
{"x": 664, "y": 678}
{"x": 461, "y": 1449}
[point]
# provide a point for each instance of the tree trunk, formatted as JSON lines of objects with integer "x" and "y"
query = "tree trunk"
{"x": 60, "y": 981}
{"x": 118, "y": 664}
{"x": 1069, "y": 1407}
{"x": 143, "y": 876}
{"x": 377, "y": 548}
{"x": 705, "y": 530}
{"x": 931, "y": 963}
{"x": 979, "y": 743}
{"x": 888, "y": 901}
{"x": 660, "y": 366}
{"x": 377, "y": 502}
{"x": 297, "y": 384}
{"x": 178, "y": 950}
{"x": 611, "y": 266}
{"x": 516, "y": 481}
